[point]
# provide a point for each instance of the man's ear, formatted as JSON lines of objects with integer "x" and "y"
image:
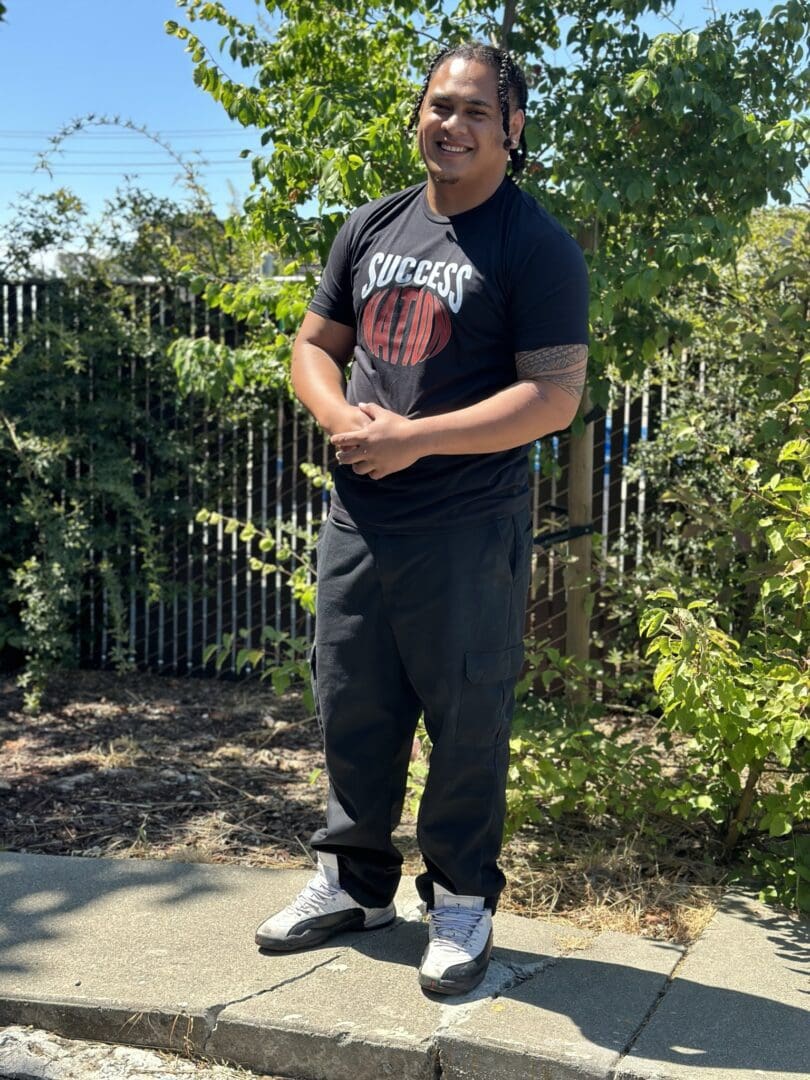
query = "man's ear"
{"x": 516, "y": 123}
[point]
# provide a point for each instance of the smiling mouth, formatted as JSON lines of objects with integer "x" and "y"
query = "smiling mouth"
{"x": 451, "y": 148}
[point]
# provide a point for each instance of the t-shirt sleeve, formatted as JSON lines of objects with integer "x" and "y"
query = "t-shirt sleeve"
{"x": 333, "y": 298}
{"x": 549, "y": 303}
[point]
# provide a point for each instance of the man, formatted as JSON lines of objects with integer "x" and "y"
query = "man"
{"x": 464, "y": 306}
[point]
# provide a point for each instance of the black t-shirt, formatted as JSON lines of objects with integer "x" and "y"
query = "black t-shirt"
{"x": 440, "y": 306}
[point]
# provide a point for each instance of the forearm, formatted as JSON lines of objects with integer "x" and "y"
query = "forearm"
{"x": 320, "y": 386}
{"x": 515, "y": 416}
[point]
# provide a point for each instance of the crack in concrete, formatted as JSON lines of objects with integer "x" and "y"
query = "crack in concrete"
{"x": 453, "y": 1015}
{"x": 212, "y": 1013}
{"x": 523, "y": 972}
{"x": 458, "y": 1013}
{"x": 645, "y": 1020}
{"x": 435, "y": 1056}
{"x": 343, "y": 1038}
{"x": 514, "y": 974}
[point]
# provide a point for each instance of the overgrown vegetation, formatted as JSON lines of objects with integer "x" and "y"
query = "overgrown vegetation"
{"x": 713, "y": 623}
{"x": 281, "y": 657}
{"x": 95, "y": 480}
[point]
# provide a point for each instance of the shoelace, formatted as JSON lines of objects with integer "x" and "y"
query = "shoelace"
{"x": 313, "y": 895}
{"x": 454, "y": 925}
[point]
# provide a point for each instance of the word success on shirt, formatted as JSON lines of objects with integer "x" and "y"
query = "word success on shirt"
{"x": 445, "y": 278}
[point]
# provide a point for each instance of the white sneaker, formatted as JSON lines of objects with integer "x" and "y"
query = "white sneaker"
{"x": 459, "y": 943}
{"x": 320, "y": 910}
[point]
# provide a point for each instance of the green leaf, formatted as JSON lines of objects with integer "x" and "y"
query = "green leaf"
{"x": 795, "y": 450}
{"x": 784, "y": 672}
{"x": 662, "y": 594}
{"x": 780, "y": 825}
{"x": 534, "y": 136}
{"x": 653, "y": 623}
{"x": 662, "y": 672}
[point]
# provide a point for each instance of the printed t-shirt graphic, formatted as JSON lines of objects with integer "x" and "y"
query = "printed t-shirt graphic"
{"x": 408, "y": 322}
{"x": 405, "y": 325}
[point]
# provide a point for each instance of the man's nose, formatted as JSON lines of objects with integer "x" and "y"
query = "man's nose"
{"x": 454, "y": 122}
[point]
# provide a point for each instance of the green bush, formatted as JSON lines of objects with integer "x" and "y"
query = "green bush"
{"x": 89, "y": 474}
{"x": 744, "y": 702}
{"x": 723, "y": 600}
{"x": 280, "y": 657}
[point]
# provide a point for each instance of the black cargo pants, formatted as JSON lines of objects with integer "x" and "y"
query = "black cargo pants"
{"x": 407, "y": 623}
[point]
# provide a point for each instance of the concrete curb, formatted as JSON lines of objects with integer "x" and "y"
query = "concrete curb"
{"x": 161, "y": 954}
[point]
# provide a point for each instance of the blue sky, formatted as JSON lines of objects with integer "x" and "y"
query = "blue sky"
{"x": 62, "y": 59}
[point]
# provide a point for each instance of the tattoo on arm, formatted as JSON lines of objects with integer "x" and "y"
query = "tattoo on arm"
{"x": 560, "y": 365}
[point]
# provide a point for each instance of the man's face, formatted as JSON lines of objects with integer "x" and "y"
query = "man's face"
{"x": 460, "y": 133}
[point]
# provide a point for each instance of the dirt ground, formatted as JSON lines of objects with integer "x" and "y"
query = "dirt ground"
{"x": 141, "y": 766}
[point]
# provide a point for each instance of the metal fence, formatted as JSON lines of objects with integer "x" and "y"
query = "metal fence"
{"x": 251, "y": 471}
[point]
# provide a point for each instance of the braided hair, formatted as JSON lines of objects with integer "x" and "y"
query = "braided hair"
{"x": 511, "y": 86}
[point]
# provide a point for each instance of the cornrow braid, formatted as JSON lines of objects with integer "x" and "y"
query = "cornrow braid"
{"x": 511, "y": 87}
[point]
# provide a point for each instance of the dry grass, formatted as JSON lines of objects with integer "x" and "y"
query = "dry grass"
{"x": 201, "y": 771}
{"x": 599, "y": 878}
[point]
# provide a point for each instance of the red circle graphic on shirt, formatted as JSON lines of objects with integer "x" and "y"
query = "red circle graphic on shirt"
{"x": 405, "y": 325}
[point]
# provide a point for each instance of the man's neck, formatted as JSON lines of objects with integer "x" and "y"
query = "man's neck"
{"x": 447, "y": 200}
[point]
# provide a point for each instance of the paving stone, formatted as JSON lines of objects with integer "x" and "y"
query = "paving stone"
{"x": 572, "y": 1020}
{"x": 739, "y": 1005}
{"x": 137, "y": 951}
{"x": 162, "y": 954}
{"x": 364, "y": 1016}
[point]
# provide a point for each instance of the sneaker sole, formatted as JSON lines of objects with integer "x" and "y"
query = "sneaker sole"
{"x": 451, "y": 986}
{"x": 315, "y": 937}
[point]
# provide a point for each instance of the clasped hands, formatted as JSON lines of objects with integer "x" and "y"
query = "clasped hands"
{"x": 384, "y": 444}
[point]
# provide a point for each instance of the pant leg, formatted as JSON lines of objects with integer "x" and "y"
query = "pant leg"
{"x": 458, "y": 603}
{"x": 368, "y": 711}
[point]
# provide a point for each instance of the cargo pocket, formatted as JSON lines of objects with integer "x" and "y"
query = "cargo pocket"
{"x": 486, "y": 700}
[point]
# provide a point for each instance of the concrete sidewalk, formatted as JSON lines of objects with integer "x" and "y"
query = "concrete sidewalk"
{"x": 161, "y": 954}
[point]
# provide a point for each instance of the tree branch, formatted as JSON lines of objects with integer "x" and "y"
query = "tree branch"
{"x": 509, "y": 9}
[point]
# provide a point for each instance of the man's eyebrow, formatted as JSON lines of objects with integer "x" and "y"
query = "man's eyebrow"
{"x": 467, "y": 101}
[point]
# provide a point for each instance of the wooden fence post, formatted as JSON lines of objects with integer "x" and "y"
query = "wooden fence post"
{"x": 578, "y": 600}
{"x": 578, "y": 571}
